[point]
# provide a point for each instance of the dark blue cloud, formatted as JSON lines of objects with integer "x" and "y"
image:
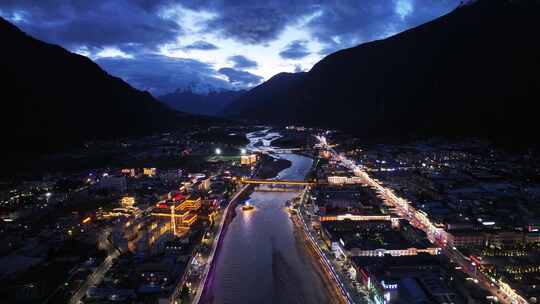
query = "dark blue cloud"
{"x": 242, "y": 62}
{"x": 344, "y": 24}
{"x": 252, "y": 21}
{"x": 128, "y": 23}
{"x": 161, "y": 74}
{"x": 139, "y": 27}
{"x": 241, "y": 79}
{"x": 295, "y": 50}
{"x": 251, "y": 25}
{"x": 201, "y": 45}
{"x": 93, "y": 24}
{"x": 336, "y": 24}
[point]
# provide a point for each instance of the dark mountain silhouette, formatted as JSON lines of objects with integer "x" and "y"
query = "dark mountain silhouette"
{"x": 212, "y": 103}
{"x": 472, "y": 72}
{"x": 52, "y": 98}
{"x": 255, "y": 102}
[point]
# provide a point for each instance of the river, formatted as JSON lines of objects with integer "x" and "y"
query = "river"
{"x": 263, "y": 258}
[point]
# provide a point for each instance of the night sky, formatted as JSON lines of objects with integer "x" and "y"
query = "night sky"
{"x": 162, "y": 45}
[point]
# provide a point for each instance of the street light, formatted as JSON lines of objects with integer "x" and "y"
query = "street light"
{"x": 243, "y": 151}
{"x": 218, "y": 151}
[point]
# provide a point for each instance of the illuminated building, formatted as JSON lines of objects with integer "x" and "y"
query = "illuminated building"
{"x": 325, "y": 154}
{"x": 394, "y": 252}
{"x": 127, "y": 212}
{"x": 370, "y": 238}
{"x": 479, "y": 238}
{"x": 360, "y": 217}
{"x": 127, "y": 201}
{"x": 393, "y": 279}
{"x": 189, "y": 220}
{"x": 352, "y": 217}
{"x": 342, "y": 180}
{"x": 248, "y": 159}
{"x": 466, "y": 238}
{"x": 506, "y": 237}
{"x": 181, "y": 218}
{"x": 190, "y": 203}
{"x": 178, "y": 215}
{"x": 212, "y": 215}
{"x": 128, "y": 172}
{"x": 150, "y": 172}
{"x": 187, "y": 185}
{"x": 205, "y": 184}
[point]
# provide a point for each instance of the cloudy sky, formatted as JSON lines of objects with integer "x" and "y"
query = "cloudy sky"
{"x": 161, "y": 45}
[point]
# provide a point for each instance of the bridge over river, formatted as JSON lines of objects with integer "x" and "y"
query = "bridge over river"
{"x": 263, "y": 258}
{"x": 276, "y": 182}
{"x": 277, "y": 185}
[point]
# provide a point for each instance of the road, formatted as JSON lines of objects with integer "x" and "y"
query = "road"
{"x": 101, "y": 270}
{"x": 437, "y": 235}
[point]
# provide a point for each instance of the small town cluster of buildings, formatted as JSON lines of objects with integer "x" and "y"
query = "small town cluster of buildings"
{"x": 482, "y": 201}
{"x": 63, "y": 227}
{"x": 389, "y": 254}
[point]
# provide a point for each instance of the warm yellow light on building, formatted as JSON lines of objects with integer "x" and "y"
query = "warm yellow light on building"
{"x": 127, "y": 201}
{"x": 248, "y": 160}
{"x": 150, "y": 172}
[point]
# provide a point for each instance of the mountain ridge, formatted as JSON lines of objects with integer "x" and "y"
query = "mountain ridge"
{"x": 211, "y": 102}
{"x": 53, "y": 97}
{"x": 262, "y": 94}
{"x": 470, "y": 72}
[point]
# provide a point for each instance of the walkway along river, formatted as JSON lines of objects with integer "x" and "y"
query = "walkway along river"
{"x": 263, "y": 258}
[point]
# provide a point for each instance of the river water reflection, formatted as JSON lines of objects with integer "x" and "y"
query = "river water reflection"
{"x": 263, "y": 259}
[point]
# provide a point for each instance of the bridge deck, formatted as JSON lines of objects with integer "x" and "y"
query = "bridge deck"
{"x": 276, "y": 182}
